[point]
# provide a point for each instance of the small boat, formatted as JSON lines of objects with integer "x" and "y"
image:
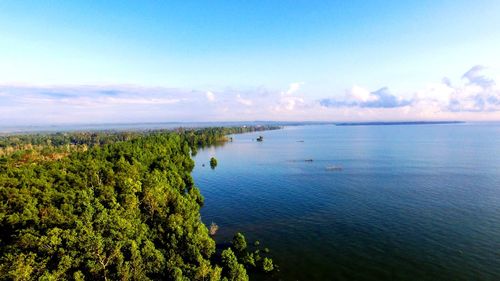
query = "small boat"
{"x": 333, "y": 168}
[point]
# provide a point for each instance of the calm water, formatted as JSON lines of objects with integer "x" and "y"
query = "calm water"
{"x": 411, "y": 203}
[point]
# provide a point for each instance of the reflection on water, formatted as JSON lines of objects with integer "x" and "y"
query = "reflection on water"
{"x": 409, "y": 202}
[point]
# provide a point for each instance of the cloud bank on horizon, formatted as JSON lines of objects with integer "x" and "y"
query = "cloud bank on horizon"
{"x": 475, "y": 97}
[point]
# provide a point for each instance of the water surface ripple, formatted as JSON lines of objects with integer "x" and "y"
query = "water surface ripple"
{"x": 410, "y": 203}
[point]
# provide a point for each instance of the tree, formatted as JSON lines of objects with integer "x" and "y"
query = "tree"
{"x": 124, "y": 210}
{"x": 267, "y": 265}
{"x": 239, "y": 243}
{"x": 213, "y": 163}
{"x": 234, "y": 270}
{"x": 108, "y": 206}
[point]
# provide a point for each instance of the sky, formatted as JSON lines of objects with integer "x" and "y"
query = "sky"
{"x": 170, "y": 61}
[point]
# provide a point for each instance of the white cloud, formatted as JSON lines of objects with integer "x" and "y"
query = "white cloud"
{"x": 246, "y": 102}
{"x": 439, "y": 92}
{"x": 359, "y": 97}
{"x": 480, "y": 93}
{"x": 474, "y": 96}
{"x": 476, "y": 76}
{"x": 137, "y": 101}
{"x": 289, "y": 100}
{"x": 289, "y": 103}
{"x": 210, "y": 96}
{"x": 293, "y": 88}
{"x": 83, "y": 104}
{"x": 359, "y": 94}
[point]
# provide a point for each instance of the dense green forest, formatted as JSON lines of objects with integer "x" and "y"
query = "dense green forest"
{"x": 112, "y": 206}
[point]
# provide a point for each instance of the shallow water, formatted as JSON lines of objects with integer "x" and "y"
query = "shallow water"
{"x": 415, "y": 202}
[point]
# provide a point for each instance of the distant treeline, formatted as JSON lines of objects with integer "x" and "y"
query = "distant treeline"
{"x": 53, "y": 146}
{"x": 217, "y": 135}
{"x": 111, "y": 206}
{"x": 398, "y": 123}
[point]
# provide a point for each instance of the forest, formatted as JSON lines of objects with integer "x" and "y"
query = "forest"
{"x": 113, "y": 206}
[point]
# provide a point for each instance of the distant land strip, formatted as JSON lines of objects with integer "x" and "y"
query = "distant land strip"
{"x": 398, "y": 123}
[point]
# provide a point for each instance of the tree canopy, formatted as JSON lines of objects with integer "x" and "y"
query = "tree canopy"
{"x": 108, "y": 207}
{"x": 213, "y": 163}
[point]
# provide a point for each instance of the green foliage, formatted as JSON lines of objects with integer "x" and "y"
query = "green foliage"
{"x": 106, "y": 206}
{"x": 215, "y": 135}
{"x": 213, "y": 163}
{"x": 249, "y": 259}
{"x": 127, "y": 210}
{"x": 267, "y": 265}
{"x": 239, "y": 243}
{"x": 252, "y": 260}
{"x": 234, "y": 270}
{"x": 38, "y": 146}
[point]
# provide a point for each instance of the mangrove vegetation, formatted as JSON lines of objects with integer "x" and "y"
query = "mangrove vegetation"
{"x": 111, "y": 206}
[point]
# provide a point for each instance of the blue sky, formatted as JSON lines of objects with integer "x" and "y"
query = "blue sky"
{"x": 248, "y": 60}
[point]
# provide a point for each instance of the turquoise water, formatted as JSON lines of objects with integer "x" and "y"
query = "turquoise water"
{"x": 410, "y": 203}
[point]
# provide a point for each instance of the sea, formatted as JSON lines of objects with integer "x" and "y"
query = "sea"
{"x": 399, "y": 202}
